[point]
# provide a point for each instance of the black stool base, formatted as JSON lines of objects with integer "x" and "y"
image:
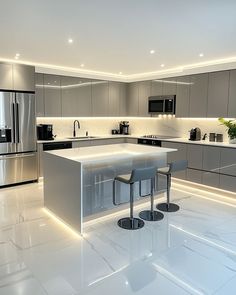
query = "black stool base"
{"x": 130, "y": 223}
{"x": 165, "y": 208}
{"x": 151, "y": 216}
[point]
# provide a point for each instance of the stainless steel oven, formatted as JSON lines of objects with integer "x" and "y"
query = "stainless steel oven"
{"x": 164, "y": 104}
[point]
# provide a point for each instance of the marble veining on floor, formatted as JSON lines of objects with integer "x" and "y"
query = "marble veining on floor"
{"x": 192, "y": 251}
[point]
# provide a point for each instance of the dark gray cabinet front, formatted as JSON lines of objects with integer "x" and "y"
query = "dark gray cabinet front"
{"x": 211, "y": 159}
{"x": 123, "y": 99}
{"x": 156, "y": 87}
{"x": 232, "y": 95}
{"x": 169, "y": 86}
{"x": 39, "y": 95}
{"x": 182, "y": 97}
{"x": 114, "y": 99}
{"x": 6, "y": 79}
{"x": 76, "y": 97}
{"x": 100, "y": 98}
{"x": 218, "y": 93}
{"x": 198, "y": 96}
{"x": 133, "y": 99}
{"x": 144, "y": 93}
{"x": 52, "y": 95}
{"x": 23, "y": 77}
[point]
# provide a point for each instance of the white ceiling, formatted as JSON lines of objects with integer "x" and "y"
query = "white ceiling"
{"x": 117, "y": 36}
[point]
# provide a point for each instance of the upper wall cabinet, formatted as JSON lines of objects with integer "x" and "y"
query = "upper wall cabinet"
{"x": 182, "y": 96}
{"x": 114, "y": 99}
{"x": 76, "y": 97}
{"x": 100, "y": 98}
{"x": 198, "y": 96}
{"x": 52, "y": 95}
{"x": 169, "y": 86}
{"x": 232, "y": 95}
{"x": 156, "y": 87}
{"x": 23, "y": 77}
{"x": 144, "y": 93}
{"x": 218, "y": 93}
{"x": 39, "y": 95}
{"x": 132, "y": 99}
{"x": 6, "y": 79}
{"x": 123, "y": 99}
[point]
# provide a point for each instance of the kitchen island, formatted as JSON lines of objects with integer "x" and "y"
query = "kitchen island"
{"x": 78, "y": 182}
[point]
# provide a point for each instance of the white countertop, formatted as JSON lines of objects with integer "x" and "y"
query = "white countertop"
{"x": 106, "y": 152}
{"x": 177, "y": 139}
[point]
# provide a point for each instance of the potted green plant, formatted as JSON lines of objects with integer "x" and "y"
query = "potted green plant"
{"x": 231, "y": 129}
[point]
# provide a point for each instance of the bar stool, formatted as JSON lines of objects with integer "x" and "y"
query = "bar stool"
{"x": 136, "y": 175}
{"x": 167, "y": 171}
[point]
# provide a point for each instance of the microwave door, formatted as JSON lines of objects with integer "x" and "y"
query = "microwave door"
{"x": 156, "y": 106}
{"x": 25, "y": 122}
{"x": 7, "y": 123}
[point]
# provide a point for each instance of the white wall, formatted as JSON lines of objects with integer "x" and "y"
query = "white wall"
{"x": 63, "y": 127}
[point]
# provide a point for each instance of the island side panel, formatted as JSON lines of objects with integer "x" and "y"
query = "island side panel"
{"x": 63, "y": 189}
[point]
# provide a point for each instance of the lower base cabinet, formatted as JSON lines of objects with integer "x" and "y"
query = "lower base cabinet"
{"x": 194, "y": 175}
{"x": 228, "y": 183}
{"x": 211, "y": 179}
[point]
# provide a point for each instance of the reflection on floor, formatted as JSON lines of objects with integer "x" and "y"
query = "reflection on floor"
{"x": 192, "y": 251}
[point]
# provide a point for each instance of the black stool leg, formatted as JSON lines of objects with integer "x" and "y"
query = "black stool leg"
{"x": 168, "y": 207}
{"x": 151, "y": 215}
{"x": 131, "y": 223}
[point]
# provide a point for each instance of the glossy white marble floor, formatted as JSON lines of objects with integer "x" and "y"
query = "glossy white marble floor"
{"x": 192, "y": 251}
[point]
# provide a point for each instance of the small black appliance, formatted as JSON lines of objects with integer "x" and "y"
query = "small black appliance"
{"x": 124, "y": 127}
{"x": 195, "y": 134}
{"x": 45, "y": 132}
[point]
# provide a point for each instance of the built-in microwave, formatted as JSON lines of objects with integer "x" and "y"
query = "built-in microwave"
{"x": 164, "y": 104}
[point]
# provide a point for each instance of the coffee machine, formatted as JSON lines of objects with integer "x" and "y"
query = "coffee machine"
{"x": 195, "y": 134}
{"x": 124, "y": 127}
{"x": 45, "y": 132}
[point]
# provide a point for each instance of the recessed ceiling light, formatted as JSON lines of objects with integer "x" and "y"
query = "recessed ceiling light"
{"x": 201, "y": 54}
{"x": 162, "y": 65}
{"x": 17, "y": 55}
{"x": 82, "y": 65}
{"x": 120, "y": 73}
{"x": 152, "y": 51}
{"x": 70, "y": 41}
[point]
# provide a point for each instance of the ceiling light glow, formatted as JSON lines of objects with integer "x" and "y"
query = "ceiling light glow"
{"x": 152, "y": 51}
{"x": 82, "y": 65}
{"x": 70, "y": 41}
{"x": 162, "y": 65}
{"x": 201, "y": 54}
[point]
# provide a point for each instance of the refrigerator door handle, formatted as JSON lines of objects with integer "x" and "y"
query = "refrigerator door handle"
{"x": 17, "y": 124}
{"x": 14, "y": 123}
{"x": 13, "y": 156}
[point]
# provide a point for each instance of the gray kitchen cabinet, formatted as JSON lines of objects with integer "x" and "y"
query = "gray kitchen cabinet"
{"x": 6, "y": 78}
{"x": 211, "y": 158}
{"x": 228, "y": 161}
{"x": 81, "y": 143}
{"x": 40, "y": 159}
{"x": 180, "y": 154}
{"x": 195, "y": 156}
{"x": 198, "y": 96}
{"x": 210, "y": 179}
{"x": 100, "y": 98}
{"x": 232, "y": 95}
{"x": 131, "y": 140}
{"x": 144, "y": 93}
{"x": 52, "y": 95}
{"x": 123, "y": 99}
{"x": 182, "y": 97}
{"x": 133, "y": 99}
{"x": 228, "y": 183}
{"x": 169, "y": 86}
{"x": 76, "y": 97}
{"x": 39, "y": 95}
{"x": 218, "y": 93}
{"x": 114, "y": 99}
{"x": 23, "y": 77}
{"x": 194, "y": 175}
{"x": 156, "y": 87}
{"x": 107, "y": 141}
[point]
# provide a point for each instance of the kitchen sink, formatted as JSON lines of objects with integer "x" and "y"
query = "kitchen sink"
{"x": 82, "y": 137}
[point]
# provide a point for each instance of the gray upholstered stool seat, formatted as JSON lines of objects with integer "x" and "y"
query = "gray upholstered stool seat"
{"x": 167, "y": 171}
{"x": 137, "y": 175}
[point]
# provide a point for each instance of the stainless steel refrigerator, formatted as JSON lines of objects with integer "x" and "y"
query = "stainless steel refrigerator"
{"x": 18, "y": 156}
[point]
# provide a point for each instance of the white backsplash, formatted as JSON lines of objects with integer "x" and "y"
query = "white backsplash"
{"x": 63, "y": 127}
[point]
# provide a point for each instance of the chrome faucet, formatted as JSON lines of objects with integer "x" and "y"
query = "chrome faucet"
{"x": 76, "y": 121}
